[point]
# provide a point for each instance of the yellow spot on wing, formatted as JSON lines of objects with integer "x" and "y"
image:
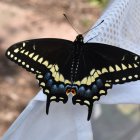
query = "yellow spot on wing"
{"x": 15, "y": 58}
{"x": 130, "y": 77}
{"x": 92, "y": 79}
{"x": 61, "y": 78}
{"x": 88, "y": 81}
{"x": 42, "y": 84}
{"x": 77, "y": 83}
{"x": 136, "y": 76}
{"x": 23, "y": 44}
{"x": 67, "y": 82}
{"x": 136, "y": 57}
{"x": 92, "y": 71}
{"x": 52, "y": 69}
{"x": 84, "y": 80}
{"x": 19, "y": 60}
{"x": 124, "y": 78}
{"x": 107, "y": 85}
{"x": 26, "y": 53}
{"x": 99, "y": 72}
{"x": 135, "y": 65}
{"x": 8, "y": 53}
{"x": 104, "y": 70}
{"x": 36, "y": 57}
{"x": 129, "y": 66}
{"x": 95, "y": 97}
{"x": 40, "y": 76}
{"x": 111, "y": 69}
{"x": 87, "y": 102}
{"x": 50, "y": 66}
{"x": 96, "y": 75}
{"x": 56, "y": 67}
{"x": 23, "y": 63}
{"x": 16, "y": 50}
{"x": 31, "y": 55}
{"x": 22, "y": 51}
{"x": 40, "y": 60}
{"x": 53, "y": 97}
{"x": 47, "y": 91}
{"x": 11, "y": 55}
{"x": 54, "y": 73}
{"x": 57, "y": 76}
{"x": 102, "y": 92}
{"x": 124, "y": 67}
{"x": 117, "y": 80}
{"x": 117, "y": 68}
{"x": 45, "y": 63}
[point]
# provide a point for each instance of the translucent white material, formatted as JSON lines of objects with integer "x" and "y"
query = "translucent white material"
{"x": 120, "y": 28}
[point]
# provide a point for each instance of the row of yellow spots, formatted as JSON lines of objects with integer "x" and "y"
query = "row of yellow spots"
{"x": 94, "y": 97}
{"x": 124, "y": 78}
{"x": 94, "y": 74}
{"x": 53, "y": 68}
{"x": 101, "y": 92}
{"x": 19, "y": 60}
{"x": 86, "y": 80}
{"x": 90, "y": 79}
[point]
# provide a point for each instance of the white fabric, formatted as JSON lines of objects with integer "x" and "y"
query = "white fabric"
{"x": 120, "y": 28}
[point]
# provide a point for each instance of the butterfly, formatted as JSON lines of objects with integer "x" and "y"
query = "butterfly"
{"x": 84, "y": 70}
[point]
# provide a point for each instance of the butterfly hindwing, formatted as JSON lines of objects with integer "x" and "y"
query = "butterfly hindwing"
{"x": 55, "y": 91}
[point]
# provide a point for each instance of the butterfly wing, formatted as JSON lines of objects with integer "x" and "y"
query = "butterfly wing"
{"x": 100, "y": 67}
{"x": 103, "y": 66}
{"x": 50, "y": 60}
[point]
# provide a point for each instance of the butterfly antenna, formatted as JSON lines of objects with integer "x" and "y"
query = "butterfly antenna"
{"x": 70, "y": 23}
{"x": 94, "y": 27}
{"x": 92, "y": 38}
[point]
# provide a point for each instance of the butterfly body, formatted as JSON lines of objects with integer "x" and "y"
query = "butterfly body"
{"x": 85, "y": 70}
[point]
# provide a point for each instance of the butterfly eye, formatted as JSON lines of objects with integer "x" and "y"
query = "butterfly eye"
{"x": 73, "y": 91}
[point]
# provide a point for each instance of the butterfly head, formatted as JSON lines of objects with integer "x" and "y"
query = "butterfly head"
{"x": 79, "y": 38}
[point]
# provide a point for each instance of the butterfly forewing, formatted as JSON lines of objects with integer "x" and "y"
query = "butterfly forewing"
{"x": 119, "y": 63}
{"x": 40, "y": 53}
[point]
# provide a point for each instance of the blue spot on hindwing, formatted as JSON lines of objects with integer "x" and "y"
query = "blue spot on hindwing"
{"x": 88, "y": 93}
{"x": 49, "y": 83}
{"x": 81, "y": 90}
{"x": 94, "y": 89}
{"x": 47, "y": 76}
{"x": 99, "y": 83}
{"x": 54, "y": 89}
{"x": 61, "y": 88}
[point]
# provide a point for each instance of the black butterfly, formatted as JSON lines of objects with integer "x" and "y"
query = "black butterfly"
{"x": 85, "y": 70}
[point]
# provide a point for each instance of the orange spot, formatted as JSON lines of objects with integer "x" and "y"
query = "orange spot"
{"x": 68, "y": 91}
{"x": 72, "y": 91}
